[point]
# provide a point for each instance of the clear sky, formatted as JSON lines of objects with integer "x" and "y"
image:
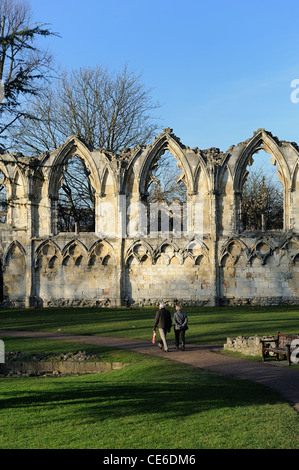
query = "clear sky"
{"x": 220, "y": 69}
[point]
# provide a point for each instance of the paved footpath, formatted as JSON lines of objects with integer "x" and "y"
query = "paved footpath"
{"x": 283, "y": 379}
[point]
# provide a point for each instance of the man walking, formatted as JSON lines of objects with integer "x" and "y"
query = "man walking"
{"x": 163, "y": 321}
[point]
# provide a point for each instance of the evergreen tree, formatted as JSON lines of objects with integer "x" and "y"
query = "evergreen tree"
{"x": 22, "y": 64}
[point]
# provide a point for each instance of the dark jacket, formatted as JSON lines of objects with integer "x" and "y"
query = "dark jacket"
{"x": 163, "y": 319}
{"x": 180, "y": 320}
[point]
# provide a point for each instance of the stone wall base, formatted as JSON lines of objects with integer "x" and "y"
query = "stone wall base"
{"x": 259, "y": 301}
{"x": 56, "y": 368}
{"x": 248, "y": 345}
{"x": 171, "y": 302}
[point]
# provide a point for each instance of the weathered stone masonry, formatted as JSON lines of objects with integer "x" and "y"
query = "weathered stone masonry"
{"x": 213, "y": 262}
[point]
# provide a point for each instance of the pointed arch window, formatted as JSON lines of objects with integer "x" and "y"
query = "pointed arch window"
{"x": 3, "y": 200}
{"x": 166, "y": 194}
{"x": 165, "y": 183}
{"x": 262, "y": 194}
{"x": 76, "y": 198}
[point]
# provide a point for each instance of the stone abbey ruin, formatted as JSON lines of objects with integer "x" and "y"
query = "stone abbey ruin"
{"x": 132, "y": 256}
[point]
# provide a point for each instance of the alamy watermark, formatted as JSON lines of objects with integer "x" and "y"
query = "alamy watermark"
{"x": 295, "y": 351}
{"x": 2, "y": 352}
{"x": 295, "y": 93}
{"x": 147, "y": 221}
{"x": 2, "y": 91}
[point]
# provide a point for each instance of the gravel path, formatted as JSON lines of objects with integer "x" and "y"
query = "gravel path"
{"x": 283, "y": 379}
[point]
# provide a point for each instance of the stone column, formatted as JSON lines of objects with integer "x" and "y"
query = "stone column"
{"x": 214, "y": 277}
{"x": 289, "y": 220}
{"x": 31, "y": 232}
{"x": 237, "y": 223}
{"x": 53, "y": 219}
{"x": 30, "y": 274}
{"x": 120, "y": 242}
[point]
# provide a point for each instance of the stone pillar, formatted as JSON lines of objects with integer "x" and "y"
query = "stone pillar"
{"x": 53, "y": 219}
{"x": 288, "y": 221}
{"x": 30, "y": 275}
{"x": 214, "y": 277}
{"x": 237, "y": 224}
{"x": 120, "y": 243}
{"x": 97, "y": 215}
{"x": 31, "y": 231}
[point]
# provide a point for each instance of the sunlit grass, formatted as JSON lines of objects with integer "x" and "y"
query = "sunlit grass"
{"x": 207, "y": 325}
{"x": 152, "y": 403}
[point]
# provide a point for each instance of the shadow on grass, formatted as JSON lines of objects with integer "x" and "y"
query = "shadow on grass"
{"x": 96, "y": 400}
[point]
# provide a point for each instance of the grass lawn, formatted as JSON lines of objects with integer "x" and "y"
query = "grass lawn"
{"x": 152, "y": 403}
{"x": 208, "y": 325}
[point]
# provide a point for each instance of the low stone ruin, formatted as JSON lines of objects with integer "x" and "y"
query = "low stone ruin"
{"x": 18, "y": 364}
{"x": 247, "y": 345}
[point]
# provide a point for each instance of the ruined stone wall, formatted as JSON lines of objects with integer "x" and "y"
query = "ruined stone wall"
{"x": 208, "y": 260}
{"x": 167, "y": 271}
{"x": 260, "y": 271}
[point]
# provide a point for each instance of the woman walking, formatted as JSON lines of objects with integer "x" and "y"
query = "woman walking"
{"x": 180, "y": 321}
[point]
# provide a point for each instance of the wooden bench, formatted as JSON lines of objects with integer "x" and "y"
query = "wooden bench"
{"x": 282, "y": 346}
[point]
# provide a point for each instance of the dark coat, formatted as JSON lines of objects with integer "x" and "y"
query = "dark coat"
{"x": 180, "y": 320}
{"x": 163, "y": 319}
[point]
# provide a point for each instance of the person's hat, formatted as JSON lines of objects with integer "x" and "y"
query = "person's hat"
{"x": 162, "y": 305}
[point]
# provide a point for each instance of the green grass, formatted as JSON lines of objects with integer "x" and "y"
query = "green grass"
{"x": 152, "y": 403}
{"x": 208, "y": 325}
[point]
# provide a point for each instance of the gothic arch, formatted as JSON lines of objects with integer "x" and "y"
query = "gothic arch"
{"x": 196, "y": 249}
{"x": 168, "y": 250}
{"x": 138, "y": 250}
{"x": 14, "y": 244}
{"x": 15, "y": 267}
{"x": 201, "y": 169}
{"x": 295, "y": 176}
{"x": 262, "y": 140}
{"x": 45, "y": 243}
{"x": 261, "y": 249}
{"x": 108, "y": 176}
{"x": 227, "y": 250}
{"x": 75, "y": 251}
{"x": 72, "y": 147}
{"x": 101, "y": 250}
{"x": 18, "y": 184}
{"x": 47, "y": 255}
{"x": 225, "y": 175}
{"x": 74, "y": 242}
{"x": 291, "y": 247}
{"x": 6, "y": 180}
{"x": 166, "y": 141}
{"x": 48, "y": 250}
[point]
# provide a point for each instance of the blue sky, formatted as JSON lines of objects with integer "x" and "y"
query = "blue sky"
{"x": 220, "y": 69}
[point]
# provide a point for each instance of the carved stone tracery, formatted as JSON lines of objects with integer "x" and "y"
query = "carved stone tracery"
{"x": 213, "y": 260}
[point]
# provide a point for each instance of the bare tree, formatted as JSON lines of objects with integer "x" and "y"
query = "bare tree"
{"x": 262, "y": 202}
{"x": 106, "y": 110}
{"x": 163, "y": 184}
{"x": 76, "y": 202}
{"x": 22, "y": 64}
{"x": 110, "y": 111}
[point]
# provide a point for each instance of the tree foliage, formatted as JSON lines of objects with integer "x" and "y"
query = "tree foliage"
{"x": 22, "y": 64}
{"x": 262, "y": 202}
